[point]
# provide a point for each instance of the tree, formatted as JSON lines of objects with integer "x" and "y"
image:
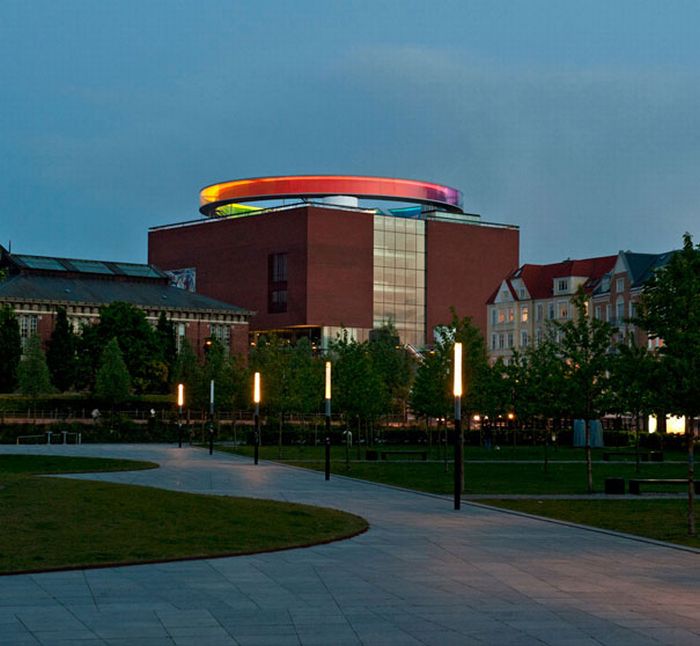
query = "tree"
{"x": 187, "y": 371}
{"x": 138, "y": 342}
{"x": 33, "y": 373}
{"x": 112, "y": 383}
{"x": 430, "y": 397}
{"x": 392, "y": 363}
{"x": 670, "y": 310}
{"x": 634, "y": 378}
{"x": 61, "y": 353}
{"x": 10, "y": 349}
{"x": 584, "y": 348}
{"x": 167, "y": 347}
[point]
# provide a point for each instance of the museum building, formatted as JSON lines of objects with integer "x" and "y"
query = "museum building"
{"x": 325, "y": 252}
{"x": 34, "y": 287}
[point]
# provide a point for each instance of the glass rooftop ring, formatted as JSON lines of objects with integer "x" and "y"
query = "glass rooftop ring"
{"x": 303, "y": 186}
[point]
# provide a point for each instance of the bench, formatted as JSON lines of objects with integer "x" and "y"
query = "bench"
{"x": 635, "y": 483}
{"x": 423, "y": 454}
{"x": 644, "y": 456}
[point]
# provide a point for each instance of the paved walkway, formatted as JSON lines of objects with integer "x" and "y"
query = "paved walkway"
{"x": 422, "y": 574}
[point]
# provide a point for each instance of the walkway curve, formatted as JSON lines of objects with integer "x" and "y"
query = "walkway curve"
{"x": 422, "y": 574}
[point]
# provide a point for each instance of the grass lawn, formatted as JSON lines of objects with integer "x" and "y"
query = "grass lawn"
{"x": 663, "y": 520}
{"x": 51, "y": 523}
{"x": 495, "y": 477}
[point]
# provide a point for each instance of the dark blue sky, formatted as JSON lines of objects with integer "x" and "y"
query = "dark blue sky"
{"x": 577, "y": 121}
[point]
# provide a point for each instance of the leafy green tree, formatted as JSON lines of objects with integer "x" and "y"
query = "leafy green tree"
{"x": 167, "y": 347}
{"x": 10, "y": 349}
{"x": 61, "y": 353}
{"x": 306, "y": 374}
{"x": 430, "y": 396}
{"x": 218, "y": 368}
{"x": 634, "y": 381}
{"x": 113, "y": 382}
{"x": 391, "y": 361}
{"x": 33, "y": 373}
{"x": 584, "y": 347}
{"x": 670, "y": 310}
{"x": 187, "y": 371}
{"x": 138, "y": 342}
{"x": 89, "y": 348}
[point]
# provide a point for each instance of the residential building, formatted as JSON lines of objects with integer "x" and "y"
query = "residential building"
{"x": 533, "y": 297}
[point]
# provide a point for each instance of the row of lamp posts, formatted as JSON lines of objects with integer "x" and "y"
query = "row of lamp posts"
{"x": 458, "y": 440}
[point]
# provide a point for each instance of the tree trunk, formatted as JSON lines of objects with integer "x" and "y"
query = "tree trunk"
{"x": 689, "y": 435}
{"x": 589, "y": 456}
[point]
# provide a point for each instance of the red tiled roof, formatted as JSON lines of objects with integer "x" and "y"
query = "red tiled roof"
{"x": 539, "y": 279}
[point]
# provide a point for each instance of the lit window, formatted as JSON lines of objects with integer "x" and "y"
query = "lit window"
{"x": 511, "y": 314}
{"x": 501, "y": 316}
{"x": 563, "y": 310}
{"x": 524, "y": 314}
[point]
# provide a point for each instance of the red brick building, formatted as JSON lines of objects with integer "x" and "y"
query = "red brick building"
{"x": 310, "y": 268}
{"x": 34, "y": 287}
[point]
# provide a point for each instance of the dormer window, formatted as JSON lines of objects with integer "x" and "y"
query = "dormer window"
{"x": 563, "y": 285}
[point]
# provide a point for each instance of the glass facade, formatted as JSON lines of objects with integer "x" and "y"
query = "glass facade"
{"x": 399, "y": 276}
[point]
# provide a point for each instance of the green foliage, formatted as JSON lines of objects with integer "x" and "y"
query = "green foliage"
{"x": 167, "y": 347}
{"x": 33, "y": 373}
{"x": 112, "y": 383}
{"x": 61, "y": 353}
{"x": 430, "y": 397}
{"x": 670, "y": 310}
{"x": 187, "y": 371}
{"x": 393, "y": 366}
{"x": 10, "y": 349}
{"x": 138, "y": 343}
{"x": 358, "y": 390}
{"x": 635, "y": 380}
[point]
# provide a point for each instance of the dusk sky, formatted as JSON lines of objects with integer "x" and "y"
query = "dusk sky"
{"x": 577, "y": 121}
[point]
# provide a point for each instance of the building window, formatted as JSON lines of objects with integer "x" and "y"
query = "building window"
{"x": 180, "y": 335}
{"x": 510, "y": 340}
{"x": 522, "y": 292}
{"x": 278, "y": 267}
{"x": 551, "y": 311}
{"x": 493, "y": 341}
{"x": 620, "y": 285}
{"x": 620, "y": 313}
{"x": 27, "y": 327}
{"x": 540, "y": 311}
{"x": 563, "y": 285}
{"x": 222, "y": 333}
{"x": 538, "y": 336}
{"x": 493, "y": 316}
{"x": 524, "y": 313}
{"x": 277, "y": 283}
{"x": 511, "y": 314}
{"x": 501, "y": 341}
{"x": 563, "y": 310}
{"x": 607, "y": 313}
{"x": 501, "y": 316}
{"x": 523, "y": 338}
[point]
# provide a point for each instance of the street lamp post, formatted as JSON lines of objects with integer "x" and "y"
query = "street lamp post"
{"x": 180, "y": 402}
{"x": 256, "y": 400}
{"x": 211, "y": 417}
{"x": 328, "y": 420}
{"x": 459, "y": 446}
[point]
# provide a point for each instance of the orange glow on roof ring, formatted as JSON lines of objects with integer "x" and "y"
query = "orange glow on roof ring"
{"x": 380, "y": 188}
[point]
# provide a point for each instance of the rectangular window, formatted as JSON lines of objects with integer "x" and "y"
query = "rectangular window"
{"x": 493, "y": 341}
{"x": 27, "y": 327}
{"x": 597, "y": 312}
{"x": 180, "y": 335}
{"x": 501, "y": 341}
{"x": 511, "y": 314}
{"x": 620, "y": 311}
{"x": 551, "y": 311}
{"x": 278, "y": 267}
{"x": 524, "y": 313}
{"x": 501, "y": 316}
{"x": 221, "y": 333}
{"x": 277, "y": 283}
{"x": 538, "y": 336}
{"x": 510, "y": 340}
{"x": 523, "y": 338}
{"x": 563, "y": 285}
{"x": 563, "y": 310}
{"x": 607, "y": 312}
{"x": 493, "y": 316}
{"x": 620, "y": 285}
{"x": 540, "y": 311}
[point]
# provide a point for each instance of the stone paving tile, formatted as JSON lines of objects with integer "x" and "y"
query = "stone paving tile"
{"x": 423, "y": 574}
